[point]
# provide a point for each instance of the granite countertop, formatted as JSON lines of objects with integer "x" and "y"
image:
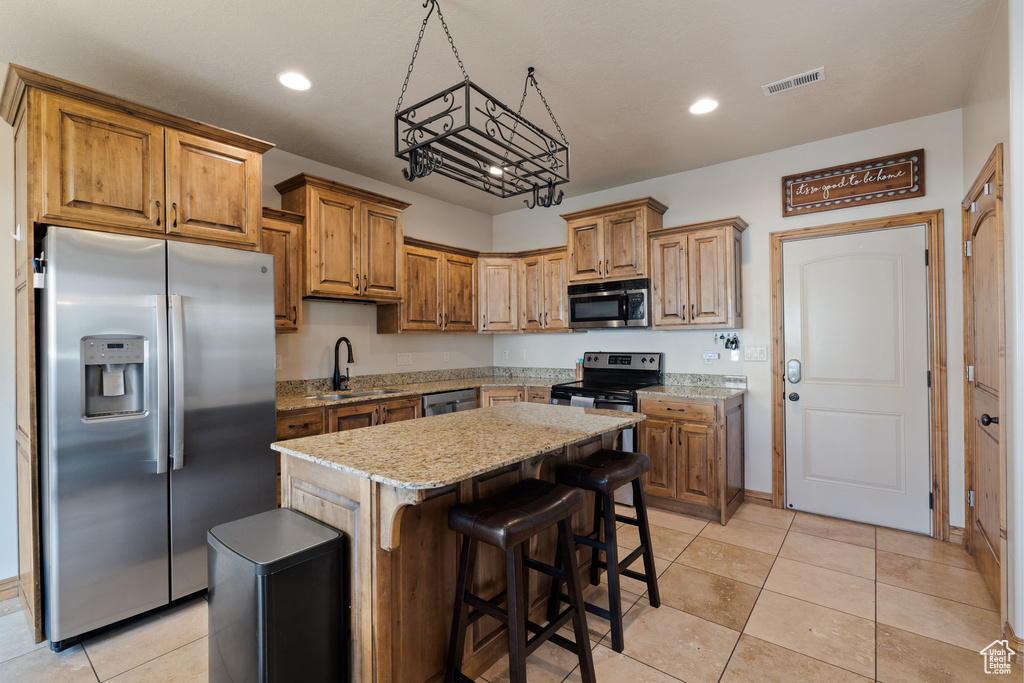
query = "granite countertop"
{"x": 400, "y": 390}
{"x": 684, "y": 391}
{"x": 436, "y": 451}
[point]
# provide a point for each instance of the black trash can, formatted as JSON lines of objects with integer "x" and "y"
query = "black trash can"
{"x": 276, "y": 600}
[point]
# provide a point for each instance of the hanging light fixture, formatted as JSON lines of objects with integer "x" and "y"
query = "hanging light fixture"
{"x": 465, "y": 134}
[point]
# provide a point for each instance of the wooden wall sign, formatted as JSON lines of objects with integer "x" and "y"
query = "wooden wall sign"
{"x": 885, "y": 179}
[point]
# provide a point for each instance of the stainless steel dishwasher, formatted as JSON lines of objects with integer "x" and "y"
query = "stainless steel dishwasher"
{"x": 449, "y": 402}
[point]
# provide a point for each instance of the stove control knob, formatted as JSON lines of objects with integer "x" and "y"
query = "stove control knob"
{"x": 643, "y": 360}
{"x": 652, "y": 360}
{"x": 589, "y": 359}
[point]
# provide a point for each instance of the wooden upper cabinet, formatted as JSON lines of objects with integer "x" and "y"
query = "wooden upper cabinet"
{"x": 381, "y": 252}
{"x": 531, "y": 293}
{"x": 213, "y": 190}
{"x": 110, "y": 165}
{"x": 424, "y": 276}
{"x": 610, "y": 242}
{"x": 498, "y": 294}
{"x": 695, "y": 275}
{"x": 281, "y": 237}
{"x": 543, "y": 300}
{"x": 460, "y": 293}
{"x": 585, "y": 245}
{"x": 101, "y": 166}
{"x": 353, "y": 239}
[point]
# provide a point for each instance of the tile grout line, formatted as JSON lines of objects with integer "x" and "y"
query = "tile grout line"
{"x": 148, "y": 661}
{"x": 91, "y": 665}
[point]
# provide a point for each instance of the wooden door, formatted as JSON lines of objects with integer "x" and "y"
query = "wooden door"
{"x": 669, "y": 284}
{"x": 585, "y": 253}
{"x": 499, "y": 279}
{"x": 213, "y": 190}
{"x": 708, "y": 253}
{"x": 657, "y": 441}
{"x": 625, "y": 245}
{"x": 424, "y": 291}
{"x": 695, "y": 462}
{"x": 333, "y": 245}
{"x": 857, "y": 415}
{"x": 282, "y": 239}
{"x": 381, "y": 247}
{"x": 492, "y": 396}
{"x": 531, "y": 293}
{"x": 984, "y": 354}
{"x": 556, "y": 299}
{"x": 101, "y": 167}
{"x": 344, "y": 417}
{"x": 401, "y": 409}
{"x": 459, "y": 293}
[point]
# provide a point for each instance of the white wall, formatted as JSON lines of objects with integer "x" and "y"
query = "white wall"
{"x": 309, "y": 354}
{"x": 8, "y": 478}
{"x": 751, "y": 188}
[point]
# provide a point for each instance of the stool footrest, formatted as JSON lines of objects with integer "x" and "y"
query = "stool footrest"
{"x": 539, "y": 566}
{"x": 628, "y": 520}
{"x": 488, "y": 607}
{"x": 548, "y": 631}
{"x": 590, "y": 607}
{"x": 586, "y": 540}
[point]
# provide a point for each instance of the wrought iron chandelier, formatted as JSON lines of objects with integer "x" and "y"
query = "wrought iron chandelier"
{"x": 465, "y": 134}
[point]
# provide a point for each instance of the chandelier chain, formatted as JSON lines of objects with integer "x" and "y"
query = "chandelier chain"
{"x": 550, "y": 113}
{"x": 451, "y": 41}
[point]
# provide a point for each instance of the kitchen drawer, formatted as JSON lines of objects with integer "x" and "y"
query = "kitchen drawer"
{"x": 295, "y": 423}
{"x": 678, "y": 409}
{"x": 538, "y": 395}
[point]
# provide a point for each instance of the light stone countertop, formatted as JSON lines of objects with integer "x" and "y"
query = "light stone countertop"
{"x": 436, "y": 451}
{"x": 684, "y": 391}
{"x": 297, "y": 402}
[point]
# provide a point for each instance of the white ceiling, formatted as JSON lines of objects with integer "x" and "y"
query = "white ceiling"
{"x": 619, "y": 76}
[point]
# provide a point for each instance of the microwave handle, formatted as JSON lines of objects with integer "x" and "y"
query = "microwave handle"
{"x": 624, "y": 308}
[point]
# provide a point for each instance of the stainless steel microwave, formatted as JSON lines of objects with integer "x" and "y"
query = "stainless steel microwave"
{"x": 610, "y": 304}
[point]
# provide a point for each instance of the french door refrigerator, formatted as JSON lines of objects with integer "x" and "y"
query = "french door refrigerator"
{"x": 157, "y": 409}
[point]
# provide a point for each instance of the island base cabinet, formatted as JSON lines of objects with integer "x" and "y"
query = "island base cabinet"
{"x": 696, "y": 451}
{"x": 403, "y": 563}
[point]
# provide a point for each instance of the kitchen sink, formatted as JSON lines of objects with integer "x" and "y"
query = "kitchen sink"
{"x": 354, "y": 394}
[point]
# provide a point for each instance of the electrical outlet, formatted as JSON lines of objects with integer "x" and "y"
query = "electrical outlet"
{"x": 755, "y": 353}
{"x": 522, "y": 354}
{"x": 504, "y": 354}
{"x": 405, "y": 359}
{"x": 277, "y": 362}
{"x": 446, "y": 357}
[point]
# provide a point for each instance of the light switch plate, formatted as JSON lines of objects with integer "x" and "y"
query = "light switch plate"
{"x": 405, "y": 359}
{"x": 277, "y": 362}
{"x": 504, "y": 354}
{"x": 755, "y": 353}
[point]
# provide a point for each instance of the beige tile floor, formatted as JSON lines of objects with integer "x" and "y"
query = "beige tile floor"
{"x": 772, "y": 596}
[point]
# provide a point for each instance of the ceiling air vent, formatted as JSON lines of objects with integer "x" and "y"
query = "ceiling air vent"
{"x": 805, "y": 78}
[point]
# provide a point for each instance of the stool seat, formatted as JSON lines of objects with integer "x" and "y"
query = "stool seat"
{"x": 516, "y": 514}
{"x": 604, "y": 471}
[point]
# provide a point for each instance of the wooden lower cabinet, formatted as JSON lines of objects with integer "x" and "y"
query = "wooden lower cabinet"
{"x": 696, "y": 451}
{"x": 492, "y": 396}
{"x": 401, "y": 409}
{"x": 538, "y": 394}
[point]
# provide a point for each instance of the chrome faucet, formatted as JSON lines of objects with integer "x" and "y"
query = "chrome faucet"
{"x": 336, "y": 382}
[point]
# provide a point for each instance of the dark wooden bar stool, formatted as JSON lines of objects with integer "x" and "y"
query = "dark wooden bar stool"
{"x": 508, "y": 521}
{"x": 602, "y": 473}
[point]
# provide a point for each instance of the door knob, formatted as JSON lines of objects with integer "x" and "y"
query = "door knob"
{"x": 988, "y": 420}
{"x": 794, "y": 396}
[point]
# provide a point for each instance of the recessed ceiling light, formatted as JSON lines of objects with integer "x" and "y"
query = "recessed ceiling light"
{"x": 703, "y": 106}
{"x": 294, "y": 80}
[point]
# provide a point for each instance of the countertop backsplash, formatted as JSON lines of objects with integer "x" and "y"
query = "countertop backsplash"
{"x": 358, "y": 382}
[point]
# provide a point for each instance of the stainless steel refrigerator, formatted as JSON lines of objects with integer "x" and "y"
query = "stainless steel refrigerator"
{"x": 157, "y": 410}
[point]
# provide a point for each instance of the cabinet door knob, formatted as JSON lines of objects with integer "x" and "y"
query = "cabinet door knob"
{"x": 365, "y": 285}
{"x": 358, "y": 283}
{"x": 158, "y": 212}
{"x": 987, "y": 420}
{"x": 174, "y": 205}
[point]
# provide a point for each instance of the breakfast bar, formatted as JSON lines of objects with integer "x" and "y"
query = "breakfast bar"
{"x": 389, "y": 489}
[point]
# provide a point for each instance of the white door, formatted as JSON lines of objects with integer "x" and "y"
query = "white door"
{"x": 856, "y": 330}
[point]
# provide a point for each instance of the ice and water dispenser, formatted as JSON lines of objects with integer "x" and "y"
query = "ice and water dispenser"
{"x": 114, "y": 376}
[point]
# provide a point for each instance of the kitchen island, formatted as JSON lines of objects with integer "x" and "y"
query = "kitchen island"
{"x": 389, "y": 489}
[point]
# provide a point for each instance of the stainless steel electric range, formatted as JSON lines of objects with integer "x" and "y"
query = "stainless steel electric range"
{"x": 610, "y": 382}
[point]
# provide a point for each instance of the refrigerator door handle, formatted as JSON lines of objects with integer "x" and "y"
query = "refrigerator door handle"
{"x": 177, "y": 382}
{"x": 162, "y": 452}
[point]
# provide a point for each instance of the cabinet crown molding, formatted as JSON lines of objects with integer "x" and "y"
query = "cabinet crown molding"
{"x": 282, "y": 215}
{"x": 644, "y": 202}
{"x": 20, "y": 78}
{"x": 733, "y": 222}
{"x": 302, "y": 179}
